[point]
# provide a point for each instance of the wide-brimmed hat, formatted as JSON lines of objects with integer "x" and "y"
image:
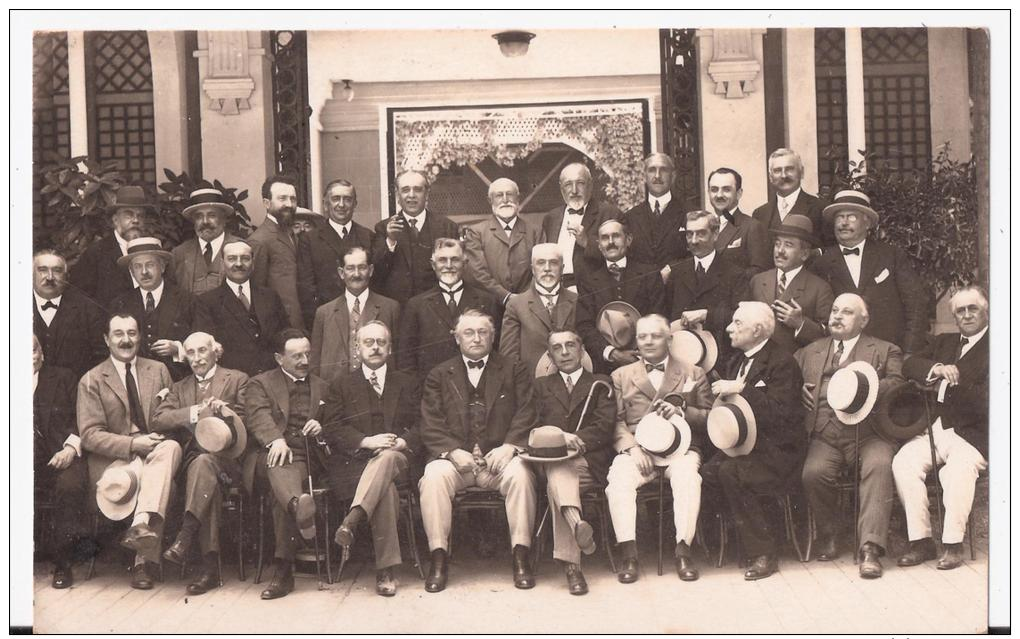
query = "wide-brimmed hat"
{"x": 117, "y": 488}
{"x": 732, "y": 427}
{"x": 308, "y": 215}
{"x": 617, "y": 322}
{"x": 850, "y": 200}
{"x": 663, "y": 438}
{"x": 546, "y": 366}
{"x": 143, "y": 246}
{"x": 202, "y": 199}
{"x": 901, "y": 414}
{"x": 694, "y": 346}
{"x": 130, "y": 197}
{"x": 224, "y": 436}
{"x": 547, "y": 444}
{"x": 852, "y": 392}
{"x": 798, "y": 226}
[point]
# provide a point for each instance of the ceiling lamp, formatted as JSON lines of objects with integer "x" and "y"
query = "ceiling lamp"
{"x": 513, "y": 44}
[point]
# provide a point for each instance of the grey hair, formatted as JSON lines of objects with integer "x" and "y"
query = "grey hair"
{"x": 971, "y": 287}
{"x": 547, "y": 246}
{"x": 713, "y": 219}
{"x": 517, "y": 189}
{"x": 584, "y": 169}
{"x": 661, "y": 156}
{"x": 762, "y": 314}
{"x": 474, "y": 313}
{"x": 783, "y": 152}
{"x": 446, "y": 242}
{"x": 374, "y": 323}
{"x": 216, "y": 346}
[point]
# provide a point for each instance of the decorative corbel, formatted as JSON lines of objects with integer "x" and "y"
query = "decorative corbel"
{"x": 735, "y": 64}
{"x": 228, "y": 83}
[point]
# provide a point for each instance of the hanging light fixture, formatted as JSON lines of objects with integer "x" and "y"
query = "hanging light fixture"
{"x": 348, "y": 90}
{"x": 513, "y": 44}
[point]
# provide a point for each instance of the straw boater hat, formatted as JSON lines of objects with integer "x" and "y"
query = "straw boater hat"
{"x": 223, "y": 436}
{"x": 663, "y": 438}
{"x": 732, "y": 426}
{"x": 901, "y": 414}
{"x": 617, "y": 322}
{"x": 308, "y": 215}
{"x": 694, "y": 346}
{"x": 798, "y": 226}
{"x": 852, "y": 392}
{"x": 547, "y": 444}
{"x": 130, "y": 197}
{"x": 546, "y": 366}
{"x": 204, "y": 199}
{"x": 143, "y": 246}
{"x": 117, "y": 488}
{"x": 850, "y": 200}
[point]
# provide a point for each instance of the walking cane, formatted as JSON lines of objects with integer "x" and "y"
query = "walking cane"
{"x": 934, "y": 461}
{"x": 311, "y": 491}
{"x": 857, "y": 490}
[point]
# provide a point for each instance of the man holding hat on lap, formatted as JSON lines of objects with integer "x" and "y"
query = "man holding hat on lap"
{"x": 198, "y": 262}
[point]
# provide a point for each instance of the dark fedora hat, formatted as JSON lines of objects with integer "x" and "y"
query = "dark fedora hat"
{"x": 901, "y": 413}
{"x": 798, "y": 226}
{"x": 130, "y": 197}
{"x": 207, "y": 199}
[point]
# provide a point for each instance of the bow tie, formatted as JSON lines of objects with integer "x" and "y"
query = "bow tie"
{"x": 655, "y": 367}
{"x": 303, "y": 380}
{"x": 728, "y": 216}
{"x": 575, "y": 211}
{"x": 853, "y": 251}
{"x": 49, "y": 304}
{"x": 479, "y": 364}
{"x": 452, "y": 291}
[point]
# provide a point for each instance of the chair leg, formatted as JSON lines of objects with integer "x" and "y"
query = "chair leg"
{"x": 604, "y": 525}
{"x": 412, "y": 537}
{"x": 536, "y": 541}
{"x": 240, "y": 537}
{"x": 662, "y": 489}
{"x": 970, "y": 535}
{"x": 260, "y": 549}
{"x": 722, "y": 540}
{"x": 325, "y": 533}
{"x": 95, "y": 551}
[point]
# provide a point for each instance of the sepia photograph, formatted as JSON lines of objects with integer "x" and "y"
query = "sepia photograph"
{"x": 507, "y": 322}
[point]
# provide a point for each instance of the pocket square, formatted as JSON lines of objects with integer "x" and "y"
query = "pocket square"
{"x": 735, "y": 243}
{"x": 759, "y": 384}
{"x": 682, "y": 229}
{"x": 883, "y": 276}
{"x": 321, "y": 403}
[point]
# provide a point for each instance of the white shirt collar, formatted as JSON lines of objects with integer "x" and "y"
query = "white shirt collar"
{"x": 216, "y": 243}
{"x": 341, "y": 229}
{"x": 157, "y": 293}
{"x": 504, "y": 223}
{"x": 233, "y": 287}
{"x": 485, "y": 362}
{"x": 541, "y": 290}
{"x": 379, "y": 373}
{"x": 664, "y": 361}
{"x": 622, "y": 262}
{"x": 754, "y": 351}
{"x": 573, "y": 377}
{"x": 706, "y": 262}
{"x": 120, "y": 242}
{"x": 270, "y": 216}
{"x": 121, "y": 370}
{"x": 420, "y": 218}
{"x": 209, "y": 375}
{"x": 363, "y": 297}
{"x": 790, "y": 199}
{"x": 848, "y": 344}
{"x": 663, "y": 200}
{"x": 39, "y": 301}
{"x": 976, "y": 337}
{"x": 859, "y": 245}
{"x": 790, "y": 275}
{"x": 459, "y": 287}
{"x": 292, "y": 378}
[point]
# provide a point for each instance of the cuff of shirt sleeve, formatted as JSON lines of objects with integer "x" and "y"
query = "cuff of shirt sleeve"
{"x": 193, "y": 414}
{"x": 74, "y": 442}
{"x": 391, "y": 245}
{"x": 932, "y": 378}
{"x": 178, "y": 351}
{"x": 607, "y": 352}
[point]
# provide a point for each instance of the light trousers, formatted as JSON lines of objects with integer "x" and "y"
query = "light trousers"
{"x": 562, "y": 487}
{"x": 377, "y": 495}
{"x": 625, "y": 479}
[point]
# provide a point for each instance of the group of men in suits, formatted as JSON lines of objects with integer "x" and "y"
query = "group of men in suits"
{"x": 373, "y": 356}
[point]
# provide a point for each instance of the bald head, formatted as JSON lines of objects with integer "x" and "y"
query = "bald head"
{"x": 202, "y": 352}
{"x": 848, "y": 317}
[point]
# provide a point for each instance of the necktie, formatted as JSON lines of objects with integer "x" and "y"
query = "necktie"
{"x": 476, "y": 364}
{"x": 782, "y": 285}
{"x": 150, "y": 302}
{"x": 244, "y": 298}
{"x": 837, "y": 355}
{"x": 413, "y": 224}
{"x": 343, "y": 233}
{"x": 134, "y": 405}
{"x": 48, "y": 305}
{"x": 207, "y": 254}
{"x": 699, "y": 271}
{"x": 959, "y": 350}
{"x": 374, "y": 380}
{"x": 744, "y": 365}
{"x": 658, "y": 209}
{"x": 783, "y": 208}
{"x": 655, "y": 367}
{"x": 203, "y": 386}
{"x": 570, "y": 385}
{"x": 550, "y": 305}
{"x": 509, "y": 229}
{"x": 614, "y": 270}
{"x": 853, "y": 251}
{"x": 726, "y": 215}
{"x": 452, "y": 304}
{"x": 355, "y": 322}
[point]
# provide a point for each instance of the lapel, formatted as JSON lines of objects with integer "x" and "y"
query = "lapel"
{"x": 590, "y": 213}
{"x": 862, "y": 351}
{"x": 538, "y": 309}
{"x": 277, "y": 387}
{"x": 390, "y": 399}
{"x": 518, "y": 233}
{"x": 796, "y": 287}
{"x": 315, "y": 388}
{"x": 439, "y": 308}
{"x": 112, "y": 380}
{"x": 496, "y": 230}
{"x": 565, "y": 305}
{"x": 331, "y": 239}
{"x": 870, "y": 263}
{"x": 371, "y": 310}
{"x": 148, "y": 385}
{"x": 280, "y": 235}
{"x": 758, "y": 364}
{"x": 493, "y": 382}
{"x": 559, "y": 390}
{"x": 553, "y": 222}
{"x": 342, "y": 318}
{"x": 711, "y": 279}
{"x": 581, "y": 389}
{"x": 217, "y": 385}
{"x": 456, "y": 374}
{"x": 840, "y": 270}
{"x": 819, "y": 355}
{"x": 672, "y": 379}
{"x": 687, "y": 276}
{"x": 642, "y": 382}
{"x": 768, "y": 286}
{"x": 727, "y": 235}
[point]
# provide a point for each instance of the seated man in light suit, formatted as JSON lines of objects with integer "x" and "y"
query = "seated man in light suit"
{"x": 115, "y": 401}
{"x": 476, "y": 412}
{"x": 657, "y": 383}
{"x": 544, "y": 308}
{"x": 209, "y": 387}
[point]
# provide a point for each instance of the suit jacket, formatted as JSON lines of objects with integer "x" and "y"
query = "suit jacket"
{"x": 721, "y": 289}
{"x": 275, "y": 262}
{"x": 810, "y": 291}
{"x": 74, "y": 339}
{"x": 746, "y": 243}
{"x": 772, "y": 388}
{"x": 658, "y": 239}
{"x": 557, "y": 407}
{"x": 96, "y": 274}
{"x": 898, "y": 303}
{"x": 425, "y": 338}
{"x": 331, "y": 332}
{"x": 594, "y": 214}
{"x": 53, "y": 411}
{"x": 406, "y": 271}
{"x": 527, "y": 324}
{"x": 320, "y": 252}
{"x": 509, "y": 407}
{"x": 104, "y": 415}
{"x": 190, "y": 271}
{"x": 172, "y": 319}
{"x": 496, "y": 263}
{"x": 247, "y": 347}
{"x": 810, "y": 206}
{"x": 965, "y": 408}
{"x": 635, "y": 394}
{"x": 884, "y": 356}
{"x": 267, "y": 407}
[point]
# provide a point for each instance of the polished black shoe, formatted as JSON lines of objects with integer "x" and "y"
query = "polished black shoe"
{"x": 523, "y": 578}
{"x": 436, "y": 581}
{"x": 575, "y": 580}
{"x": 142, "y": 576}
{"x": 828, "y": 549}
{"x": 921, "y": 550}
{"x": 870, "y": 566}
{"x": 685, "y": 569}
{"x": 302, "y": 509}
{"x": 209, "y": 579}
{"x": 385, "y": 584}
{"x": 952, "y": 557}
{"x": 585, "y": 537}
{"x": 62, "y": 577}
{"x": 177, "y": 552}
{"x": 142, "y": 539}
{"x": 628, "y": 571}
{"x": 281, "y": 584}
{"x": 763, "y": 566}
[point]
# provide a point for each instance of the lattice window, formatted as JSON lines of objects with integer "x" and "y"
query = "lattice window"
{"x": 680, "y": 110}
{"x": 121, "y": 122}
{"x": 830, "y": 103}
{"x": 51, "y": 127}
{"x": 292, "y": 146}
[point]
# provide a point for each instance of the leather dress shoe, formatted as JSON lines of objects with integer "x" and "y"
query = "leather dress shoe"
{"x": 685, "y": 569}
{"x": 177, "y": 551}
{"x": 585, "y": 537}
{"x": 870, "y": 566}
{"x": 385, "y": 584}
{"x": 303, "y": 510}
{"x": 575, "y": 580}
{"x": 523, "y": 578}
{"x": 920, "y": 551}
{"x": 952, "y": 557}
{"x": 828, "y": 549}
{"x": 436, "y": 581}
{"x": 142, "y": 539}
{"x": 62, "y": 577}
{"x": 142, "y": 576}
{"x": 281, "y": 584}
{"x": 763, "y": 566}
{"x": 628, "y": 571}
{"x": 209, "y": 579}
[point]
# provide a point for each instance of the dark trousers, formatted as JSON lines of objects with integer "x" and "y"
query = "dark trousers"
{"x": 285, "y": 482}
{"x": 204, "y": 496}
{"x": 66, "y": 491}
{"x": 830, "y": 451}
